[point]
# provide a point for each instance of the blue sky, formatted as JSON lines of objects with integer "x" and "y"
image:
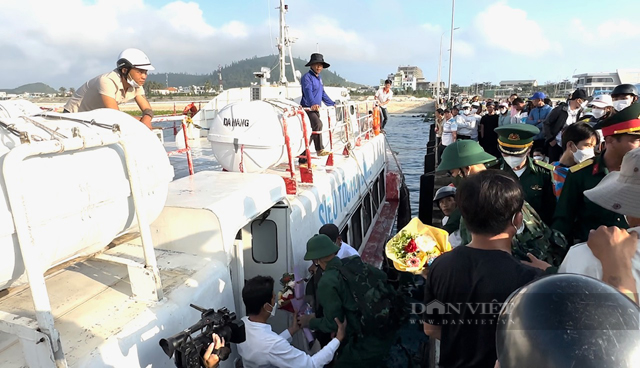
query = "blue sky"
{"x": 66, "y": 43}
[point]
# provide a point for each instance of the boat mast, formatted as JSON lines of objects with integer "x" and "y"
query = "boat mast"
{"x": 281, "y": 44}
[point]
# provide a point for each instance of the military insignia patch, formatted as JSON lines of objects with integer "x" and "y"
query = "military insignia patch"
{"x": 514, "y": 137}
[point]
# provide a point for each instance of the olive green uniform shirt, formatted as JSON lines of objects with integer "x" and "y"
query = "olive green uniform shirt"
{"x": 575, "y": 214}
{"x": 338, "y": 302}
{"x": 538, "y": 187}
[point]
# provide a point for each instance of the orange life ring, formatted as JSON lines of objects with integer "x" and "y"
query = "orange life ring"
{"x": 376, "y": 120}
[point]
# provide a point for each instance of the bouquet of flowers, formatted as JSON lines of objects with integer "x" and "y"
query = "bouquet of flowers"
{"x": 287, "y": 293}
{"x": 415, "y": 246}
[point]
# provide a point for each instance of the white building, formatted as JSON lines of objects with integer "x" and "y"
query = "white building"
{"x": 519, "y": 83}
{"x": 605, "y": 82}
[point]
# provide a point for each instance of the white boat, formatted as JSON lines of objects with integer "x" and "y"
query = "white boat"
{"x": 114, "y": 250}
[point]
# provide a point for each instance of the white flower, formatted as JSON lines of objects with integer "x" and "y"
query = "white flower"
{"x": 287, "y": 294}
{"x": 426, "y": 243}
{"x": 291, "y": 284}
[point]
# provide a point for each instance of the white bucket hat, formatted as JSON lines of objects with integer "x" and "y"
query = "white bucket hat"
{"x": 619, "y": 191}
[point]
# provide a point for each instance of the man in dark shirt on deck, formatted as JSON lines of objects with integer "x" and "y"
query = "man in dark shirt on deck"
{"x": 313, "y": 95}
{"x": 465, "y": 288}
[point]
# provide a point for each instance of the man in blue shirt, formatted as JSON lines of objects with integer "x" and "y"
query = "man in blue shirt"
{"x": 313, "y": 95}
{"x": 537, "y": 115}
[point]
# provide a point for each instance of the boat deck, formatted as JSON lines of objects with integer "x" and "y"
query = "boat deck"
{"x": 100, "y": 323}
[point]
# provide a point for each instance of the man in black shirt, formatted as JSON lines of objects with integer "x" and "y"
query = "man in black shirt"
{"x": 465, "y": 288}
{"x": 488, "y": 139}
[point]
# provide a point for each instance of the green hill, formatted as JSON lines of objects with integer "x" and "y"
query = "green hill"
{"x": 240, "y": 74}
{"x": 31, "y": 88}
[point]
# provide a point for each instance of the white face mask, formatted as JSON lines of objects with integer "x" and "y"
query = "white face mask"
{"x": 503, "y": 111}
{"x": 621, "y": 104}
{"x": 514, "y": 161}
{"x": 583, "y": 154}
{"x": 132, "y": 82}
{"x": 466, "y": 112}
{"x": 273, "y": 310}
{"x": 539, "y": 158}
{"x": 520, "y": 229}
{"x": 597, "y": 113}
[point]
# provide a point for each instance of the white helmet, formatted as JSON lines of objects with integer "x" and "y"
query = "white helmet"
{"x": 134, "y": 58}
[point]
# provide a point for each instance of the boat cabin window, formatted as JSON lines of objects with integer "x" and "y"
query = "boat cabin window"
{"x": 366, "y": 213}
{"x": 375, "y": 192}
{"x": 344, "y": 234}
{"x": 264, "y": 241}
{"x": 356, "y": 229}
{"x": 382, "y": 188}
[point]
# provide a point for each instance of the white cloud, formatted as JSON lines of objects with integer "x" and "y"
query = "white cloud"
{"x": 499, "y": 20}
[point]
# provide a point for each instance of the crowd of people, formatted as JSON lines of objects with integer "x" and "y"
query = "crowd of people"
{"x": 512, "y": 217}
{"x": 556, "y": 192}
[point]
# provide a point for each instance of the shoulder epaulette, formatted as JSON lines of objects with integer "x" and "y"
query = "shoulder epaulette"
{"x": 544, "y": 164}
{"x": 581, "y": 165}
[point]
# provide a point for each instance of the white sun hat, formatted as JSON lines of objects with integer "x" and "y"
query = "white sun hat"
{"x": 601, "y": 101}
{"x": 619, "y": 191}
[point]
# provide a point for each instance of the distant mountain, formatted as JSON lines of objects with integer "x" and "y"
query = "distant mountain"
{"x": 240, "y": 74}
{"x": 31, "y": 88}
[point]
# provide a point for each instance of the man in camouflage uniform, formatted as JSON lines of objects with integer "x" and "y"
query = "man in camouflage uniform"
{"x": 575, "y": 215}
{"x": 538, "y": 239}
{"x": 338, "y": 302}
{"x": 515, "y": 142}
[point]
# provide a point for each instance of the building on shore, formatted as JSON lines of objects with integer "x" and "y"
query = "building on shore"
{"x": 596, "y": 83}
{"x": 408, "y": 78}
{"x": 519, "y": 83}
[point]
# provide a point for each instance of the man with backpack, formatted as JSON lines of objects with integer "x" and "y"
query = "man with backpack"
{"x": 352, "y": 289}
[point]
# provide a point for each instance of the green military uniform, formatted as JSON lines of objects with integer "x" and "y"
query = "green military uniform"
{"x": 575, "y": 214}
{"x": 537, "y": 238}
{"x": 536, "y": 179}
{"x": 338, "y": 302}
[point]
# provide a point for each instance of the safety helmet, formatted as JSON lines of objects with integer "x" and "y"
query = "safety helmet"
{"x": 133, "y": 58}
{"x": 624, "y": 89}
{"x": 567, "y": 320}
{"x": 463, "y": 153}
{"x": 444, "y": 192}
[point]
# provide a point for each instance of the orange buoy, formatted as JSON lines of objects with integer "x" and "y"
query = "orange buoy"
{"x": 376, "y": 120}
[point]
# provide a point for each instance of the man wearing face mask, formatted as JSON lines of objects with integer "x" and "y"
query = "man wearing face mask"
{"x": 467, "y": 123}
{"x": 514, "y": 142}
{"x": 466, "y": 158}
{"x": 578, "y": 142}
{"x": 623, "y": 96}
{"x": 575, "y": 216}
{"x": 119, "y": 86}
{"x": 563, "y": 115}
{"x": 461, "y": 123}
{"x": 505, "y": 116}
{"x": 265, "y": 348}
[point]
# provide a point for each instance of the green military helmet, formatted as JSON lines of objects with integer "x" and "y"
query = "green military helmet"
{"x": 320, "y": 246}
{"x": 463, "y": 153}
{"x": 515, "y": 139}
{"x": 626, "y": 121}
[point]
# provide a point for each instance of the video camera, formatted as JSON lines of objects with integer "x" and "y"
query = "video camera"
{"x": 189, "y": 350}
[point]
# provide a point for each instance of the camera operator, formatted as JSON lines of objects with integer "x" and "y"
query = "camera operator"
{"x": 212, "y": 359}
{"x": 265, "y": 348}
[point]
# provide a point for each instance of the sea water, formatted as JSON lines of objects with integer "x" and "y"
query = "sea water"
{"x": 408, "y": 136}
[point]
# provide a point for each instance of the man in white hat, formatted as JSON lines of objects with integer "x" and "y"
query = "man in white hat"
{"x": 619, "y": 192}
{"x": 466, "y": 122}
{"x": 119, "y": 86}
